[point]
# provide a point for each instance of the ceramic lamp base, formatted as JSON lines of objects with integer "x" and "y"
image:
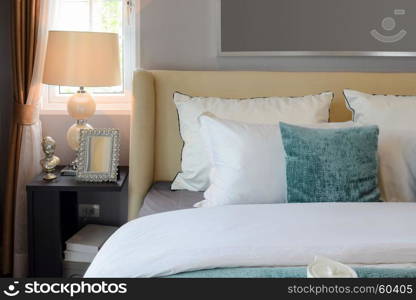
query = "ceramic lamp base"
{"x": 81, "y": 105}
{"x": 72, "y": 135}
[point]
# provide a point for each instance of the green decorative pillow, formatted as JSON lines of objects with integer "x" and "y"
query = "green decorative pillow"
{"x": 331, "y": 165}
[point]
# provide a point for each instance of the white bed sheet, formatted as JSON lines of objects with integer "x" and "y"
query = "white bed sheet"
{"x": 269, "y": 235}
{"x": 161, "y": 198}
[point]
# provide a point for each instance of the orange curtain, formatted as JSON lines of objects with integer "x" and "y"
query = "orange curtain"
{"x": 25, "y": 23}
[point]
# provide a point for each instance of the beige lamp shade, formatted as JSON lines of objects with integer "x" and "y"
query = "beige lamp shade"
{"x": 76, "y": 58}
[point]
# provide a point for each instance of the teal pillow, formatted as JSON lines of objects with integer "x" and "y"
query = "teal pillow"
{"x": 331, "y": 165}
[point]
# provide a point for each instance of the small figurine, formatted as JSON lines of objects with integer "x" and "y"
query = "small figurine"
{"x": 50, "y": 161}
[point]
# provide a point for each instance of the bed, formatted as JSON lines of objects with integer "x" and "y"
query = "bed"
{"x": 172, "y": 238}
{"x": 160, "y": 198}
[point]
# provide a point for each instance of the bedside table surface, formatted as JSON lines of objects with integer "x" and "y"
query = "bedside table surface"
{"x": 68, "y": 183}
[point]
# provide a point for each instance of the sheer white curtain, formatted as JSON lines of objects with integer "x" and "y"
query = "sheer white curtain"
{"x": 30, "y": 153}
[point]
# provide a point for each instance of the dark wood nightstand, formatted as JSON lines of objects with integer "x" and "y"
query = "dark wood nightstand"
{"x": 53, "y": 216}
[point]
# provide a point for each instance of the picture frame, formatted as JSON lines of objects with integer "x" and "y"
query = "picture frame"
{"x": 302, "y": 28}
{"x": 98, "y": 155}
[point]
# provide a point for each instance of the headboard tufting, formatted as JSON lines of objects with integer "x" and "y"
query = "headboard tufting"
{"x": 155, "y": 143}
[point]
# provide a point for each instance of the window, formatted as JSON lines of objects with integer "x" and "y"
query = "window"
{"x": 103, "y": 16}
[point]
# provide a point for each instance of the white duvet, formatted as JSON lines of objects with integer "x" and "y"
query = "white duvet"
{"x": 269, "y": 235}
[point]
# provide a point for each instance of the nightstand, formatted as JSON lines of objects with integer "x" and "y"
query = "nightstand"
{"x": 53, "y": 216}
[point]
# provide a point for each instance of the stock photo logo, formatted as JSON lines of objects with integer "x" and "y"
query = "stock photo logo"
{"x": 65, "y": 288}
{"x": 12, "y": 290}
{"x": 389, "y": 24}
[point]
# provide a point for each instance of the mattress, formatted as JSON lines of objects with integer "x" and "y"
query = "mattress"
{"x": 395, "y": 271}
{"x": 268, "y": 235}
{"x": 161, "y": 198}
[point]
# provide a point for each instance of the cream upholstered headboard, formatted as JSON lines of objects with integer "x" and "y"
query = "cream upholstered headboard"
{"x": 155, "y": 143}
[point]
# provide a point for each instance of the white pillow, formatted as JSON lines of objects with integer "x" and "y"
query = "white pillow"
{"x": 396, "y": 118}
{"x": 248, "y": 161}
{"x": 195, "y": 163}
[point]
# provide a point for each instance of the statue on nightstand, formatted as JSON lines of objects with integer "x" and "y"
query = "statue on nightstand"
{"x": 50, "y": 161}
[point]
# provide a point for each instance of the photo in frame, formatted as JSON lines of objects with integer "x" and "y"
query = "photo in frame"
{"x": 98, "y": 155}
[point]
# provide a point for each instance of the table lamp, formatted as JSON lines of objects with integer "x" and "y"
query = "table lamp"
{"x": 81, "y": 59}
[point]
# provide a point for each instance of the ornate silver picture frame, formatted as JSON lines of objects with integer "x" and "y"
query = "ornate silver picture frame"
{"x": 98, "y": 155}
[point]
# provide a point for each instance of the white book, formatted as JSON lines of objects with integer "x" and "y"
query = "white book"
{"x": 74, "y": 256}
{"x": 90, "y": 238}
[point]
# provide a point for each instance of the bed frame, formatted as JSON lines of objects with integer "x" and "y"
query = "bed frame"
{"x": 155, "y": 143}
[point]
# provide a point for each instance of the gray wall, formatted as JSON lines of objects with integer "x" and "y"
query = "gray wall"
{"x": 56, "y": 126}
{"x": 182, "y": 34}
{"x": 5, "y": 90}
